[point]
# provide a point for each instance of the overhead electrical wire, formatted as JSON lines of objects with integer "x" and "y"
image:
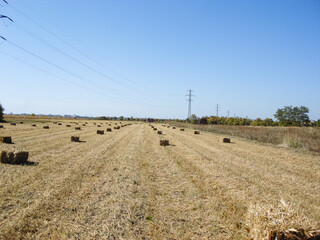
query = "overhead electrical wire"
{"x": 90, "y": 58}
{"x": 75, "y": 75}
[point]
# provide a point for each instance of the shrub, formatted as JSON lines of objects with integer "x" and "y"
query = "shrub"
{"x": 1, "y": 113}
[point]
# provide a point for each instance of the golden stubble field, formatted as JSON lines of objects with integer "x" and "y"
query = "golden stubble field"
{"x": 124, "y": 185}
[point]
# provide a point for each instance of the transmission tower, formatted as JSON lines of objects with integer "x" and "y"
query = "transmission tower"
{"x": 217, "y": 107}
{"x": 189, "y": 95}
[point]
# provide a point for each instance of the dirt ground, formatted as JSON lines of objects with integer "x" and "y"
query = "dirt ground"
{"x": 124, "y": 185}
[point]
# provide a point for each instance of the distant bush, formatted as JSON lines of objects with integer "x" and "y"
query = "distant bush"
{"x": 1, "y": 113}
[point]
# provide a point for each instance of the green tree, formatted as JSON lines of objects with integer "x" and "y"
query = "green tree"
{"x": 1, "y": 113}
{"x": 292, "y": 116}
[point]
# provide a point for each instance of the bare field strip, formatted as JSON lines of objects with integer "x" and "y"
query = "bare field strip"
{"x": 124, "y": 185}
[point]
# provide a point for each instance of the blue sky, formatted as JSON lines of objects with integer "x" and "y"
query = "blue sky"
{"x": 139, "y": 58}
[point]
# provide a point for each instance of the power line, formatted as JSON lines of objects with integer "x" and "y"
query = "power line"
{"x": 189, "y": 95}
{"x": 87, "y": 56}
{"x": 71, "y": 73}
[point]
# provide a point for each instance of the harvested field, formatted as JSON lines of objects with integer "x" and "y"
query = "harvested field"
{"x": 124, "y": 185}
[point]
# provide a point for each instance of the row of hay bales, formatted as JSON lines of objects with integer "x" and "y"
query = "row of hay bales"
{"x": 224, "y": 140}
{"x": 21, "y": 157}
{"x": 163, "y": 142}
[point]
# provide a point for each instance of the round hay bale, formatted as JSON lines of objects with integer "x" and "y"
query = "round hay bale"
{"x": 46, "y": 127}
{"x": 155, "y": 129}
{"x": 1, "y": 126}
{"x": 109, "y": 130}
{"x": 196, "y": 132}
{"x": 59, "y": 123}
{"x": 13, "y": 124}
{"x": 75, "y": 139}
{"x": 159, "y": 132}
{"x": 226, "y": 140}
{"x": 77, "y": 128}
{"x": 68, "y": 125}
{"x": 6, "y": 139}
{"x": 164, "y": 142}
{"x": 84, "y": 125}
{"x": 33, "y": 125}
{"x": 21, "y": 122}
{"x": 99, "y": 126}
{"x": 173, "y": 127}
{"x": 181, "y": 129}
{"x": 100, "y": 132}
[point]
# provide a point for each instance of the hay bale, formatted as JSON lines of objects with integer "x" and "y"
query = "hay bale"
{"x": 196, "y": 132}
{"x": 109, "y": 130}
{"x": 16, "y": 157}
{"x": 33, "y": 125}
{"x": 21, "y": 122}
{"x": 164, "y": 142}
{"x": 6, "y": 157}
{"x": 59, "y": 123}
{"x": 75, "y": 139}
{"x": 295, "y": 234}
{"x": 181, "y": 129}
{"x": 99, "y": 126}
{"x": 46, "y": 127}
{"x": 84, "y": 125}
{"x": 173, "y": 127}
{"x": 21, "y": 157}
{"x": 77, "y": 128}
{"x": 6, "y": 139}
{"x": 155, "y": 129}
{"x": 100, "y": 132}
{"x": 68, "y": 125}
{"x": 1, "y": 126}
{"x": 226, "y": 140}
{"x": 159, "y": 132}
{"x": 13, "y": 124}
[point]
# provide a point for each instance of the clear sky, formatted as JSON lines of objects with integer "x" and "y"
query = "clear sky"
{"x": 139, "y": 57}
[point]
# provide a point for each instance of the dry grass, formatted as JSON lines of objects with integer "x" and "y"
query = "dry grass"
{"x": 295, "y": 137}
{"x": 124, "y": 185}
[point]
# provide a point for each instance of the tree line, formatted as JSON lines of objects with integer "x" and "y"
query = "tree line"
{"x": 286, "y": 116}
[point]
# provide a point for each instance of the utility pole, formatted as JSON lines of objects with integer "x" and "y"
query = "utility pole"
{"x": 217, "y": 107}
{"x": 189, "y": 95}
